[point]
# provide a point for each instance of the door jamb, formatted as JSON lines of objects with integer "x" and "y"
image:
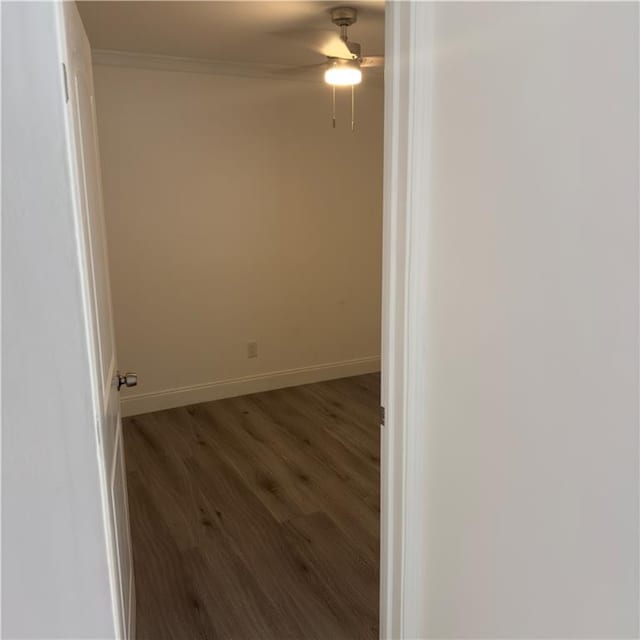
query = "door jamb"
{"x": 408, "y": 75}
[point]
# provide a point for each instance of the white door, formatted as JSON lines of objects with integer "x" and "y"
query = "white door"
{"x": 85, "y": 167}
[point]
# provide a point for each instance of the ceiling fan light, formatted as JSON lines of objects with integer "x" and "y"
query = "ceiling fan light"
{"x": 343, "y": 75}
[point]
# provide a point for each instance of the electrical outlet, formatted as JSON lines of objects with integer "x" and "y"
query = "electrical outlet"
{"x": 252, "y": 349}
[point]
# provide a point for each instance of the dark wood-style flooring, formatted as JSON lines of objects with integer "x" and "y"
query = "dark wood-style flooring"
{"x": 258, "y": 516}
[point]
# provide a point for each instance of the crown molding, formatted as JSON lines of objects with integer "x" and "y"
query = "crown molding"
{"x": 161, "y": 62}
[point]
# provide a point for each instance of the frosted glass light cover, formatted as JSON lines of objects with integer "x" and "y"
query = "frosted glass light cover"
{"x": 343, "y": 76}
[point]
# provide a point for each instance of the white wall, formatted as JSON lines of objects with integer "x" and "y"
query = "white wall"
{"x": 55, "y": 580}
{"x": 236, "y": 213}
{"x": 531, "y": 462}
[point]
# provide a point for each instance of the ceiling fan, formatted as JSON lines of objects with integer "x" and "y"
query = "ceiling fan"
{"x": 344, "y": 61}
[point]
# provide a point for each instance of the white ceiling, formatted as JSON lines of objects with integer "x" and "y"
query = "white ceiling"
{"x": 238, "y": 31}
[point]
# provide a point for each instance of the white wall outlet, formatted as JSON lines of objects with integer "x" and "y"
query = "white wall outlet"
{"x": 252, "y": 349}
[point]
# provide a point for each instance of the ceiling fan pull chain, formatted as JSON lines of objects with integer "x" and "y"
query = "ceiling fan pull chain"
{"x": 333, "y": 105}
{"x": 353, "y": 107}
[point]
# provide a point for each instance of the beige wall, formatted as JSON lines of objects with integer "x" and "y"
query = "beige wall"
{"x": 236, "y": 213}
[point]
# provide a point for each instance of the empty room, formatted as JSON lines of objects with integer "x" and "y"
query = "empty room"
{"x": 243, "y": 212}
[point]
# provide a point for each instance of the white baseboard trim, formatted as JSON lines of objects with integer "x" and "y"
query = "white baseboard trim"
{"x": 179, "y": 397}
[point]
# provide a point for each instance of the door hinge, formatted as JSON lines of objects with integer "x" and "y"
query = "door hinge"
{"x": 66, "y": 82}
{"x": 382, "y": 416}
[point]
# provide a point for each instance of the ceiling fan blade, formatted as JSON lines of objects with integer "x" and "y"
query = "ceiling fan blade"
{"x": 324, "y": 41}
{"x": 301, "y": 69}
{"x": 372, "y": 61}
{"x": 335, "y": 47}
{"x": 354, "y": 48}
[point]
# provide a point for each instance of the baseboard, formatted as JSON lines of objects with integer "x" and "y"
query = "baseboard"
{"x": 170, "y": 398}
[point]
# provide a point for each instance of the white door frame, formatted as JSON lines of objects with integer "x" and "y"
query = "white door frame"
{"x": 406, "y": 184}
{"x": 403, "y": 350}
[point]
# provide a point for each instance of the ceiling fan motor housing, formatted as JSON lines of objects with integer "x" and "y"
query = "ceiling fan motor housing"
{"x": 343, "y": 16}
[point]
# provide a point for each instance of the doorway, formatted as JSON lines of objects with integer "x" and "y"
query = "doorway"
{"x": 243, "y": 209}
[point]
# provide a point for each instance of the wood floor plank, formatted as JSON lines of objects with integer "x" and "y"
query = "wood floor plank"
{"x": 152, "y": 445}
{"x": 261, "y": 544}
{"x": 371, "y": 383}
{"x": 347, "y": 400}
{"x": 231, "y": 595}
{"x": 167, "y": 606}
{"x": 258, "y": 517}
{"x": 303, "y": 433}
{"x": 356, "y": 397}
{"x": 339, "y": 423}
{"x": 342, "y": 567}
{"x": 261, "y": 469}
{"x": 321, "y": 487}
